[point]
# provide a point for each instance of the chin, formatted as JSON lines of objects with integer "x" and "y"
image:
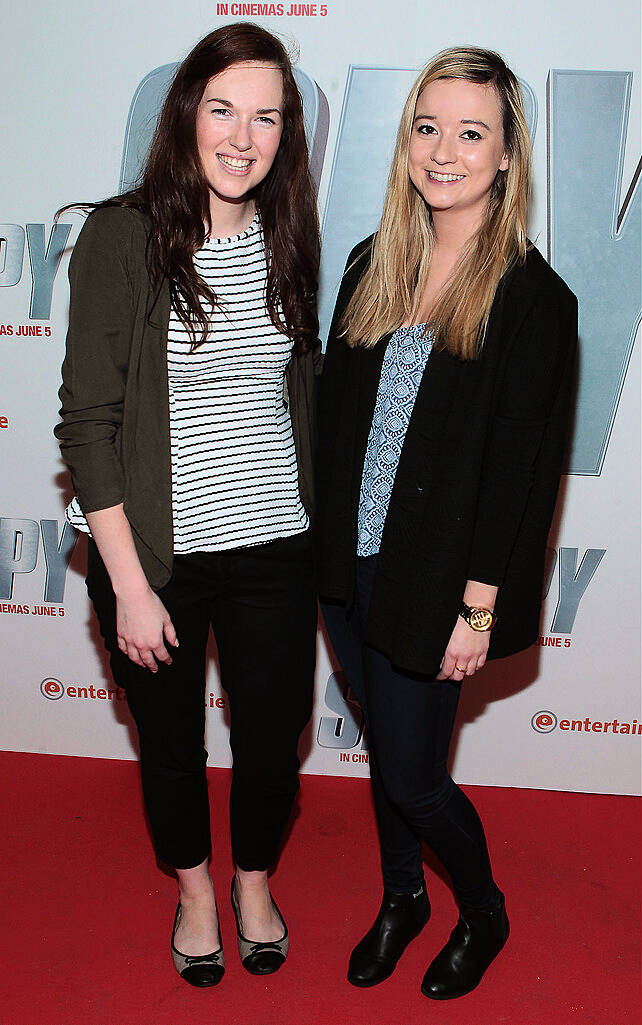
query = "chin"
{"x": 438, "y": 202}
{"x": 231, "y": 191}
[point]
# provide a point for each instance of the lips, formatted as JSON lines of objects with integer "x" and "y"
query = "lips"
{"x": 238, "y": 165}
{"x": 444, "y": 179}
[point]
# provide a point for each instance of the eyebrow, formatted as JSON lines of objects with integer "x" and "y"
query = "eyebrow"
{"x": 464, "y": 121}
{"x": 230, "y": 106}
{"x": 471, "y": 121}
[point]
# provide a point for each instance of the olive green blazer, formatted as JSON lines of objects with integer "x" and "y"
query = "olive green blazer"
{"x": 114, "y": 433}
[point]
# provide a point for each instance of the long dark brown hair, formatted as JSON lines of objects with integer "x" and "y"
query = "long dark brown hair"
{"x": 174, "y": 192}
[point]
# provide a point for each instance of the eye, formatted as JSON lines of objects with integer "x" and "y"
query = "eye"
{"x": 264, "y": 119}
{"x": 220, "y": 111}
{"x": 426, "y": 129}
{"x": 471, "y": 135}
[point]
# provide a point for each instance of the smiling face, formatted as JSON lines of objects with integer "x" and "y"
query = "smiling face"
{"x": 238, "y": 130}
{"x": 457, "y": 146}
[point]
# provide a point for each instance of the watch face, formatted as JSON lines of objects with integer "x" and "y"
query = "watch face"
{"x": 481, "y": 619}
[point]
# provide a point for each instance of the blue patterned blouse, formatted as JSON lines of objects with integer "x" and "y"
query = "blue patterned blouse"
{"x": 404, "y": 362}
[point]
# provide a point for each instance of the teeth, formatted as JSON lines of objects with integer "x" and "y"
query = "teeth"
{"x": 445, "y": 177}
{"x": 236, "y": 163}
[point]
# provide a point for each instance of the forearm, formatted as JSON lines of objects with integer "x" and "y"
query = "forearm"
{"x": 539, "y": 362}
{"x": 113, "y": 536}
{"x": 102, "y": 324}
{"x": 481, "y": 595}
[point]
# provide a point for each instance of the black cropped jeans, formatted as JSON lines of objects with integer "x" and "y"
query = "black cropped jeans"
{"x": 261, "y": 605}
{"x": 410, "y": 720}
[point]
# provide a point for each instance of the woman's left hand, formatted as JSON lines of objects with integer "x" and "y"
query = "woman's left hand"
{"x": 466, "y": 652}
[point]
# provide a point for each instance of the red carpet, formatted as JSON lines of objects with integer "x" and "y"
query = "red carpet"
{"x": 88, "y": 914}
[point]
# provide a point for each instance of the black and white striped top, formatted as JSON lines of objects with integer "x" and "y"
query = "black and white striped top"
{"x": 234, "y": 469}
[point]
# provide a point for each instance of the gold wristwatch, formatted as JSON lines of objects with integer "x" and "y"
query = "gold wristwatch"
{"x": 477, "y": 617}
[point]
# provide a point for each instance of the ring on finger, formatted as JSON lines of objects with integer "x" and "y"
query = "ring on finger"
{"x": 461, "y": 669}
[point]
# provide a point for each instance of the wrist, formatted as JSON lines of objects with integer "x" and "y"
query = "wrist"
{"x": 130, "y": 586}
{"x": 480, "y": 595}
{"x": 479, "y": 618}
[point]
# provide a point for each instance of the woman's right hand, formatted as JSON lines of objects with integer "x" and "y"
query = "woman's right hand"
{"x": 143, "y": 625}
{"x": 142, "y": 621}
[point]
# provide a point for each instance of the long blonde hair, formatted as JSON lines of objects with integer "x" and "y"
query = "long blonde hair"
{"x": 390, "y": 290}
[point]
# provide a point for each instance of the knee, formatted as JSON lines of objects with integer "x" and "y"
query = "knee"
{"x": 420, "y": 800}
{"x": 269, "y": 788}
{"x": 274, "y": 771}
{"x": 166, "y": 759}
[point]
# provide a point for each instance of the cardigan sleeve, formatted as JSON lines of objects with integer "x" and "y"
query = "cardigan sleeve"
{"x": 333, "y": 378}
{"x": 539, "y": 360}
{"x": 94, "y": 371}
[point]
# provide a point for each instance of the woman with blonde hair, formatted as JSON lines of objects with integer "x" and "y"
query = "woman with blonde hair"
{"x": 444, "y": 403}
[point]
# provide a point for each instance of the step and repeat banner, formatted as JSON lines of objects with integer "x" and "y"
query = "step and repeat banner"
{"x": 82, "y": 84}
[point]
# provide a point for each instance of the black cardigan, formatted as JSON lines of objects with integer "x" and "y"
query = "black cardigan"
{"x": 478, "y": 474}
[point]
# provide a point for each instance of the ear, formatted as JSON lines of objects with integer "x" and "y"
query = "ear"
{"x": 505, "y": 161}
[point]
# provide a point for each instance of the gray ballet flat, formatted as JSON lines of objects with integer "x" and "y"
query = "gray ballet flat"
{"x": 260, "y": 958}
{"x": 200, "y": 969}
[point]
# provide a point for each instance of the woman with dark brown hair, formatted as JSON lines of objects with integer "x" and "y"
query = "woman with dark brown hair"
{"x": 187, "y": 401}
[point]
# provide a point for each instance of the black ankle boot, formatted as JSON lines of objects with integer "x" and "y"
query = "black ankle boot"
{"x": 475, "y": 941}
{"x": 401, "y": 917}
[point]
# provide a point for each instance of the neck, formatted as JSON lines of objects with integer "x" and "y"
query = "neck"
{"x": 453, "y": 229}
{"x": 230, "y": 218}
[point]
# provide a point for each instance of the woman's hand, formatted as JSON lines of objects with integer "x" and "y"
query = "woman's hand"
{"x": 142, "y": 621}
{"x": 143, "y": 624}
{"x": 467, "y": 648}
{"x": 466, "y": 652}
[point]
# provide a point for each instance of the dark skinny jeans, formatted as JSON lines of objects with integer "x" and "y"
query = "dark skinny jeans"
{"x": 261, "y": 605}
{"x": 410, "y": 720}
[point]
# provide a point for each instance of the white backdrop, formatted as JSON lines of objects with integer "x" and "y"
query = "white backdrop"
{"x": 564, "y": 715}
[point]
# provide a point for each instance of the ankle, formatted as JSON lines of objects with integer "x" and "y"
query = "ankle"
{"x": 413, "y": 894}
{"x": 489, "y": 913}
{"x": 413, "y": 903}
{"x": 494, "y": 902}
{"x": 193, "y": 894}
{"x": 250, "y": 883}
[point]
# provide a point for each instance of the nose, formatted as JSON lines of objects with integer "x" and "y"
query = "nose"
{"x": 240, "y": 136}
{"x": 444, "y": 151}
